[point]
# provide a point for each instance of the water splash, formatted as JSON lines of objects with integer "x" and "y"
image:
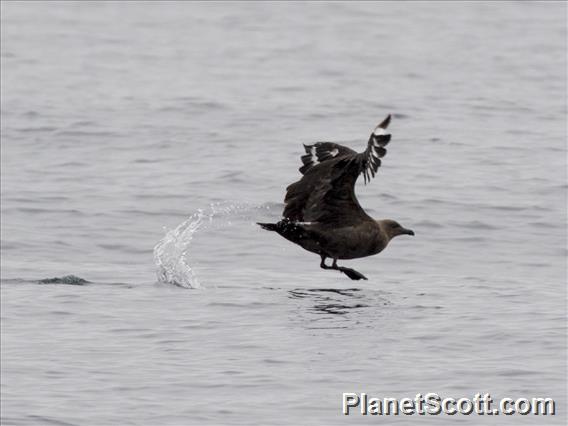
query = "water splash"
{"x": 172, "y": 253}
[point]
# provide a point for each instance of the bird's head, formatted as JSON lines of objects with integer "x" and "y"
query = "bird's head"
{"x": 392, "y": 228}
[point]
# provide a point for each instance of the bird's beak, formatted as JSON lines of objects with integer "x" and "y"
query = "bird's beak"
{"x": 408, "y": 232}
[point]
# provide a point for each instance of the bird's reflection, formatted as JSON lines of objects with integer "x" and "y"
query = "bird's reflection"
{"x": 332, "y": 308}
{"x": 331, "y": 300}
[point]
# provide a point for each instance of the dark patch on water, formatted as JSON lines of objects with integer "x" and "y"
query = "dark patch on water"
{"x": 66, "y": 279}
{"x": 477, "y": 224}
{"x": 87, "y": 133}
{"x": 428, "y": 224}
{"x": 146, "y": 161}
{"x": 36, "y": 129}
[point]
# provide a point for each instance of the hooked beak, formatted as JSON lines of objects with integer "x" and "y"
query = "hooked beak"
{"x": 408, "y": 232}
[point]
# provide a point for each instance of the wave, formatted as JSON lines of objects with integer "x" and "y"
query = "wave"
{"x": 63, "y": 280}
{"x": 66, "y": 279}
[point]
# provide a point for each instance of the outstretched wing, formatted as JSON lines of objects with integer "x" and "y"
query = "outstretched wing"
{"x": 326, "y": 192}
{"x": 371, "y": 158}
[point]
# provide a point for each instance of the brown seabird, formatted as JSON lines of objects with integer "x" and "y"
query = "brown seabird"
{"x": 321, "y": 212}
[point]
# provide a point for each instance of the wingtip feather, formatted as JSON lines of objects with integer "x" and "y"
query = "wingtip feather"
{"x": 385, "y": 123}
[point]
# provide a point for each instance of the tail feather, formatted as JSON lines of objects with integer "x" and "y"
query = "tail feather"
{"x": 268, "y": 226}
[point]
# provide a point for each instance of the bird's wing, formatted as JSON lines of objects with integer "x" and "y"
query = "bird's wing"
{"x": 371, "y": 158}
{"x": 322, "y": 151}
{"x": 326, "y": 192}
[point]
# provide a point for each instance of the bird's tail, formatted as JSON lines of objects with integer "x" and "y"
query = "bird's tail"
{"x": 268, "y": 226}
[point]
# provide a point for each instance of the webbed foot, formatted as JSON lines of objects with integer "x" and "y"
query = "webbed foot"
{"x": 352, "y": 273}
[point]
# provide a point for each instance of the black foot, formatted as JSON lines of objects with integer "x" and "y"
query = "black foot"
{"x": 352, "y": 273}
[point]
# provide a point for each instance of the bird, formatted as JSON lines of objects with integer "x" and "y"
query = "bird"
{"x": 321, "y": 212}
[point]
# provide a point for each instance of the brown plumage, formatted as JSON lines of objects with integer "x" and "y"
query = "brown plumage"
{"x": 321, "y": 212}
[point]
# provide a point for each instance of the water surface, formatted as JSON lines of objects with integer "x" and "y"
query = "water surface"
{"x": 127, "y": 124}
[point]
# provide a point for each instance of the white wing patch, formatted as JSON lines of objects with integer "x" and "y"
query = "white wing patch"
{"x": 376, "y": 149}
{"x": 379, "y": 131}
{"x": 314, "y": 158}
{"x": 320, "y": 152}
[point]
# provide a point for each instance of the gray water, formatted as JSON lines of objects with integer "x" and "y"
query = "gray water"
{"x": 129, "y": 126}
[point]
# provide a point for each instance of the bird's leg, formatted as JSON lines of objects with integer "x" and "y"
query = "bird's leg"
{"x": 323, "y": 265}
{"x": 351, "y": 273}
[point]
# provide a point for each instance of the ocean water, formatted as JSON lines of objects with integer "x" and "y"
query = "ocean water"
{"x": 142, "y": 141}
